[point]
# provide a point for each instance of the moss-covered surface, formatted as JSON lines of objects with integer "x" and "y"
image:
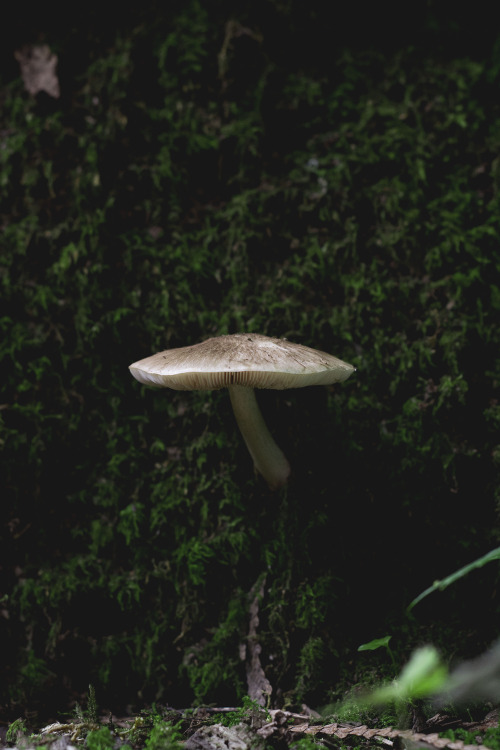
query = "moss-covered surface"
{"x": 211, "y": 170}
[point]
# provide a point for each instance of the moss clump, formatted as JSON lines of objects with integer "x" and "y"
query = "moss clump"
{"x": 16, "y": 729}
{"x": 164, "y": 736}
{"x": 100, "y": 739}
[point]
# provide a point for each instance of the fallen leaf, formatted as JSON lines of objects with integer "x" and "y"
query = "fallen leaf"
{"x": 431, "y": 740}
{"x": 38, "y": 69}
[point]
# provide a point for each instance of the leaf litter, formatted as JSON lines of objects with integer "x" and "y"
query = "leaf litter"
{"x": 286, "y": 728}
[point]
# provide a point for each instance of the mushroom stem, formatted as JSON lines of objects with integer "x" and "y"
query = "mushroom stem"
{"x": 268, "y": 459}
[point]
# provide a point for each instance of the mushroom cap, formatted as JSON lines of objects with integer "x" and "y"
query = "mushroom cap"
{"x": 246, "y": 359}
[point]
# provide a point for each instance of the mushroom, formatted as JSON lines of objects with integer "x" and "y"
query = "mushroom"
{"x": 240, "y": 363}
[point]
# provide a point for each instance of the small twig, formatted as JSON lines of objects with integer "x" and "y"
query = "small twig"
{"x": 75, "y": 729}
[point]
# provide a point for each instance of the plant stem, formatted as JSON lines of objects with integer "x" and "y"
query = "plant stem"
{"x": 268, "y": 458}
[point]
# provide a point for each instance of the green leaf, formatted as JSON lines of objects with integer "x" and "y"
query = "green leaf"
{"x": 376, "y": 643}
{"x": 424, "y": 675}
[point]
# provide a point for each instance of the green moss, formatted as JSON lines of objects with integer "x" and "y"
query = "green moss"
{"x": 250, "y": 712}
{"x": 164, "y": 736}
{"x": 17, "y": 727}
{"x": 492, "y": 738}
{"x": 306, "y": 743}
{"x": 100, "y": 739}
{"x": 196, "y": 179}
{"x": 489, "y": 739}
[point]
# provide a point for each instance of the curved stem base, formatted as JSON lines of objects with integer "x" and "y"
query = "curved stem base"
{"x": 268, "y": 458}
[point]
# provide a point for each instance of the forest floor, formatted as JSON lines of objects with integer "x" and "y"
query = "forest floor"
{"x": 252, "y": 728}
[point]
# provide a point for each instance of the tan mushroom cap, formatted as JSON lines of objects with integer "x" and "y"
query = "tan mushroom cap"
{"x": 246, "y": 359}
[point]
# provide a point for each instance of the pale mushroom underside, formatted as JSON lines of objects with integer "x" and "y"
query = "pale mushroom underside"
{"x": 242, "y": 359}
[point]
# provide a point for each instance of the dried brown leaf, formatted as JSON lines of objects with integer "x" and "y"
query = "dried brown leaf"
{"x": 38, "y": 69}
{"x": 341, "y": 732}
